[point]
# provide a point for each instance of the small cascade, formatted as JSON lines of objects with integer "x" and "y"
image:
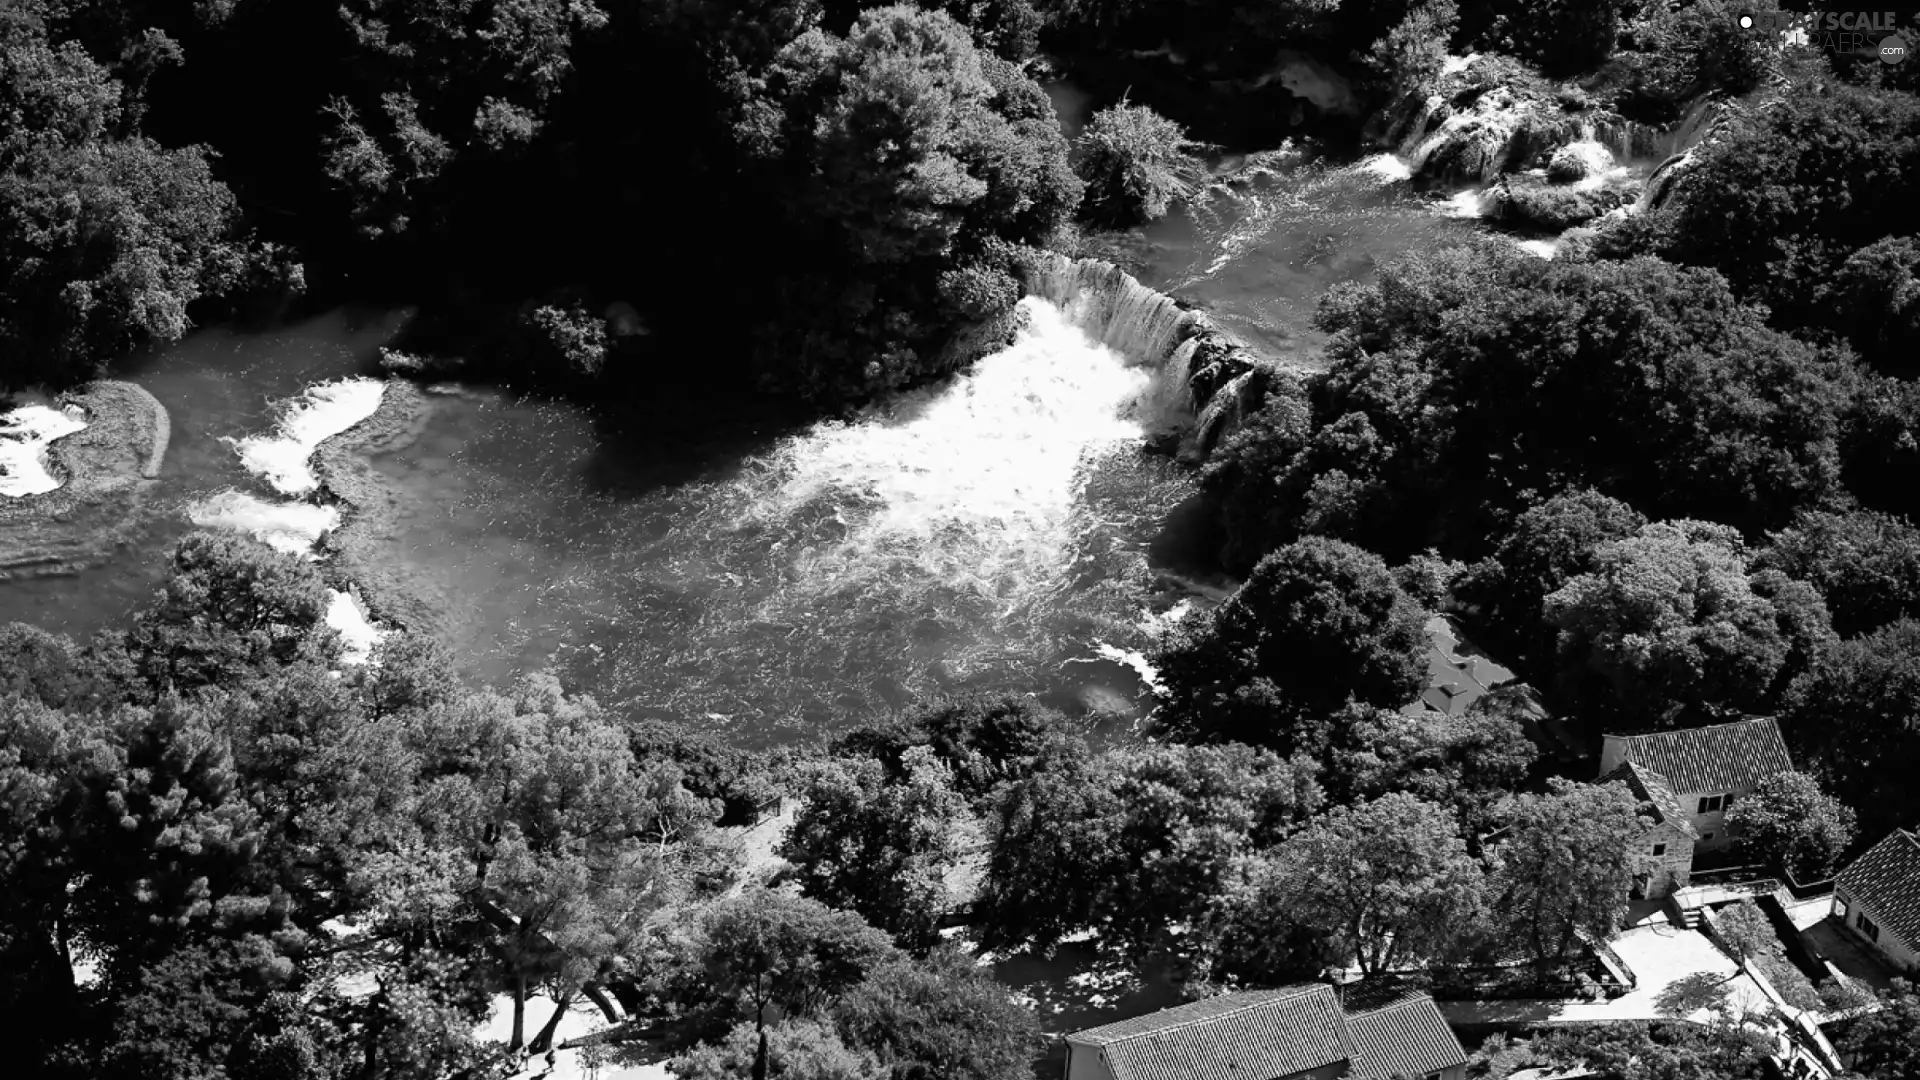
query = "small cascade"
{"x": 1111, "y": 307}
{"x": 1222, "y": 410}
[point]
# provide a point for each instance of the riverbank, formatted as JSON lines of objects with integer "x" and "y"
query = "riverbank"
{"x": 104, "y": 470}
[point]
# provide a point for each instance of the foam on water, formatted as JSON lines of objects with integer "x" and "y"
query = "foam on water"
{"x": 1545, "y": 249}
{"x": 971, "y": 482}
{"x": 292, "y": 527}
{"x": 1470, "y": 203}
{"x": 325, "y": 410}
{"x": 24, "y": 436}
{"x": 1388, "y": 168}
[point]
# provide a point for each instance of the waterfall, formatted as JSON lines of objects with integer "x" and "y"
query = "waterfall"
{"x": 1111, "y": 307}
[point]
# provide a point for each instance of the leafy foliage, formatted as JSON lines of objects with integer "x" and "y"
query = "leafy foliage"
{"x": 1390, "y": 881}
{"x": 1776, "y": 208}
{"x": 1648, "y": 383}
{"x": 1851, "y": 720}
{"x": 1564, "y": 867}
{"x": 1131, "y": 842}
{"x": 1318, "y": 621}
{"x": 881, "y": 849}
{"x": 1865, "y": 564}
{"x": 1136, "y": 164}
{"x": 1671, "y": 619}
{"x": 1789, "y": 822}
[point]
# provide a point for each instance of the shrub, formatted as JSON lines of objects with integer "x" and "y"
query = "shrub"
{"x": 1136, "y": 164}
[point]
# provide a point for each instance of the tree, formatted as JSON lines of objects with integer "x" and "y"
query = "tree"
{"x": 1242, "y": 475}
{"x": 1136, "y": 164}
{"x": 1131, "y": 844}
{"x": 1318, "y": 621}
{"x": 1390, "y": 881}
{"x": 1564, "y": 37}
{"x": 1650, "y": 383}
{"x": 1774, "y": 207}
{"x": 1412, "y": 55}
{"x": 1465, "y": 763}
{"x": 1865, "y": 564}
{"x": 762, "y": 949}
{"x": 1564, "y": 867}
{"x": 438, "y": 83}
{"x": 1671, "y": 618}
{"x": 1789, "y": 822}
{"x": 881, "y": 849}
{"x": 1880, "y": 285}
{"x": 232, "y": 606}
{"x": 943, "y": 1017}
{"x": 110, "y": 237}
{"x": 1853, "y": 721}
{"x": 790, "y": 1050}
{"x": 907, "y": 169}
{"x": 1746, "y": 932}
{"x": 1885, "y": 1043}
{"x": 1548, "y": 546}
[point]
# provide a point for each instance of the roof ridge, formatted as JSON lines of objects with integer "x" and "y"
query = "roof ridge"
{"x": 1277, "y": 994}
{"x": 1654, "y": 733}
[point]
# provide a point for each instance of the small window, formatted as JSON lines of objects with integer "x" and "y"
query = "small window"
{"x": 1706, "y": 838}
{"x": 1868, "y": 928}
{"x": 1711, "y": 803}
{"x": 1659, "y": 850}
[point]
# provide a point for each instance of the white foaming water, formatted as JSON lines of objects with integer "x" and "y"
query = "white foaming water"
{"x": 1545, "y": 249}
{"x": 970, "y": 482}
{"x": 360, "y": 636}
{"x": 292, "y": 527}
{"x": 1387, "y": 168}
{"x": 323, "y": 411}
{"x": 1470, "y": 203}
{"x": 24, "y": 436}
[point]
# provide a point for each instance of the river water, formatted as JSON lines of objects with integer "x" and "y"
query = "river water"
{"x": 1005, "y": 530}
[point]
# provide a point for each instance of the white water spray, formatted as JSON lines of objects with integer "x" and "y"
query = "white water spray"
{"x": 25, "y": 434}
{"x": 325, "y": 410}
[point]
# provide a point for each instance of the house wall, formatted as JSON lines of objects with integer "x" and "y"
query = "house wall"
{"x": 1714, "y": 822}
{"x": 1901, "y": 953}
{"x": 1672, "y": 870}
{"x": 1085, "y": 1063}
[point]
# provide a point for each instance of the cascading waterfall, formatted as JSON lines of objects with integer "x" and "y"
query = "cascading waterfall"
{"x": 1111, "y": 307}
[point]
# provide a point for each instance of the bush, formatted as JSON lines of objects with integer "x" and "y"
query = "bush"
{"x": 1564, "y": 37}
{"x": 1136, "y": 164}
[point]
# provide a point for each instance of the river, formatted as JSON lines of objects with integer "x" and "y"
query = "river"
{"x": 1004, "y": 530}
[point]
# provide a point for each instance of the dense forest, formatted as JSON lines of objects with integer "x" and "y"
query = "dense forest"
{"x": 1665, "y": 475}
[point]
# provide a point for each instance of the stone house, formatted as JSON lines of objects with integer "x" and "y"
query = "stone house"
{"x": 1295, "y": 1033}
{"x": 1706, "y": 769}
{"x": 1877, "y": 897}
{"x": 1669, "y": 840}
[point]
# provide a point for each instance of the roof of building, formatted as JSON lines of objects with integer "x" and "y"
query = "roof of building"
{"x": 1652, "y": 788}
{"x": 1887, "y": 879}
{"x": 1458, "y": 674}
{"x": 1264, "y": 1034}
{"x": 1719, "y": 757}
{"x": 1406, "y": 1038}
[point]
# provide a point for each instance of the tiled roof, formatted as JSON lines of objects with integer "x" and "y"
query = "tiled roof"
{"x": 1651, "y": 787}
{"x": 1259, "y": 1035}
{"x": 1887, "y": 880}
{"x": 1457, "y": 674}
{"x": 1720, "y": 757}
{"x": 1407, "y": 1038}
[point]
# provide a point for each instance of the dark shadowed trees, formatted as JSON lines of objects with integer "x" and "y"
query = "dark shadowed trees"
{"x": 1318, "y": 622}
